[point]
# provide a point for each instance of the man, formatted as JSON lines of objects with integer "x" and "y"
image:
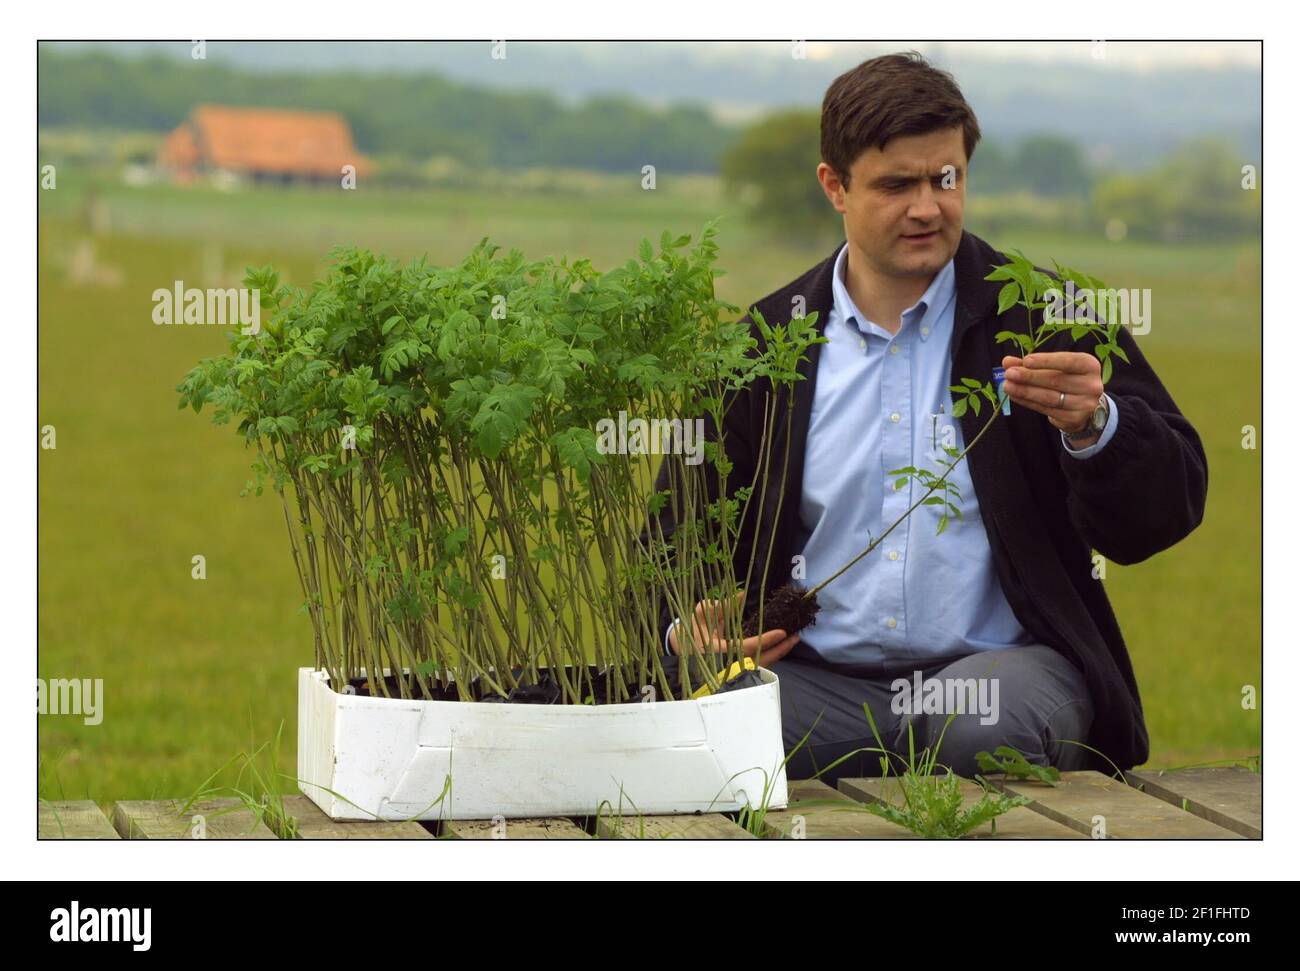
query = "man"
{"x": 1001, "y": 611}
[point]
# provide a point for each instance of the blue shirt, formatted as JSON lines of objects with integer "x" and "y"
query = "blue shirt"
{"x": 881, "y": 402}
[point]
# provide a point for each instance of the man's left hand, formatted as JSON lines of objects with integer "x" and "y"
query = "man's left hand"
{"x": 1036, "y": 382}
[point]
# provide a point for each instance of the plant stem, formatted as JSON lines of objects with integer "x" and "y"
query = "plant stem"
{"x": 925, "y": 495}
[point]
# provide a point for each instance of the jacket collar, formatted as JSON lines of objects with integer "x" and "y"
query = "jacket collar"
{"x": 975, "y": 295}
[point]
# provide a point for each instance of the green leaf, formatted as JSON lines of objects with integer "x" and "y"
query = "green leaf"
{"x": 455, "y": 540}
{"x": 589, "y": 332}
{"x": 959, "y": 408}
{"x": 577, "y": 449}
{"x": 492, "y": 436}
{"x": 448, "y": 343}
{"x": 1008, "y": 296}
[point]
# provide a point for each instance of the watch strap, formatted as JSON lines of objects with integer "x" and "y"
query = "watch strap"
{"x": 1091, "y": 428}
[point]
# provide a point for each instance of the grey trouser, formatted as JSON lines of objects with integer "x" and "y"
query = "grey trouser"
{"x": 1031, "y": 698}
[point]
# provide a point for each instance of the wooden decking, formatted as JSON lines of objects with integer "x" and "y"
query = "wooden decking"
{"x": 1201, "y": 803}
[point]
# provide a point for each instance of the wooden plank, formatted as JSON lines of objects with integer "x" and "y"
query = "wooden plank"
{"x": 705, "y": 826}
{"x": 817, "y": 811}
{"x": 1090, "y": 801}
{"x": 79, "y": 819}
{"x": 1021, "y": 823}
{"x": 552, "y": 828}
{"x": 312, "y": 824}
{"x": 223, "y": 819}
{"x": 1228, "y": 796}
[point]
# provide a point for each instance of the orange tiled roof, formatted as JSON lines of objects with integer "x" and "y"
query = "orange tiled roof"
{"x": 178, "y": 149}
{"x": 315, "y": 143}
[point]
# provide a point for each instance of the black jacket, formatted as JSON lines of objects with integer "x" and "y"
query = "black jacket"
{"x": 1044, "y": 511}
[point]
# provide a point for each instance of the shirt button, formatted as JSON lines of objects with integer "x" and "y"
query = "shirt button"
{"x": 893, "y": 554}
{"x": 891, "y": 623}
{"x": 895, "y": 417}
{"x": 925, "y": 331}
{"x": 862, "y": 342}
{"x": 893, "y": 348}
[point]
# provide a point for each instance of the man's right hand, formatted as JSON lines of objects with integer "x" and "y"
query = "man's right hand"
{"x": 706, "y": 623}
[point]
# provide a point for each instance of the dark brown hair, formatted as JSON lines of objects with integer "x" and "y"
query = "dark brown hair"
{"x": 888, "y": 96}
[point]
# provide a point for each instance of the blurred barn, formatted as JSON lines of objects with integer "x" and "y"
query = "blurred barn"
{"x": 267, "y": 145}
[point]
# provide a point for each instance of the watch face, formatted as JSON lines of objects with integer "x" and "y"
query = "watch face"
{"x": 1099, "y": 416}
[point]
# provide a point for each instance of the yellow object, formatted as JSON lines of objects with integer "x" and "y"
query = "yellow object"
{"x": 736, "y": 670}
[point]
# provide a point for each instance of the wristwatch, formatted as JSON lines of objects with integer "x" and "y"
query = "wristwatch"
{"x": 1095, "y": 425}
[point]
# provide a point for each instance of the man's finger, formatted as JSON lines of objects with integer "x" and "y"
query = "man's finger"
{"x": 1073, "y": 362}
{"x": 715, "y": 610}
{"x": 703, "y": 636}
{"x": 1088, "y": 385}
{"x": 708, "y": 614}
{"x": 766, "y": 640}
{"x": 707, "y": 623}
{"x": 769, "y": 656}
{"x": 1043, "y": 400}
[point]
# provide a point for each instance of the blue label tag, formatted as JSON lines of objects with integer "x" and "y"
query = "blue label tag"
{"x": 999, "y": 378}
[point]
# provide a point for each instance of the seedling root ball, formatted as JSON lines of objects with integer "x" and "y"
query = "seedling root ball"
{"x": 789, "y": 609}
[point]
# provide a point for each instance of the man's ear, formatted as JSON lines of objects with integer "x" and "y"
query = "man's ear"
{"x": 832, "y": 185}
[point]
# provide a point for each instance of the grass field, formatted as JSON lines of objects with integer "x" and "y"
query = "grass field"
{"x": 197, "y": 671}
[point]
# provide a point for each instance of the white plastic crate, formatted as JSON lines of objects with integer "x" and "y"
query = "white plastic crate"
{"x": 361, "y": 757}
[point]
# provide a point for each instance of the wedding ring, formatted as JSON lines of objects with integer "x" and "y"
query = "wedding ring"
{"x": 1061, "y": 402}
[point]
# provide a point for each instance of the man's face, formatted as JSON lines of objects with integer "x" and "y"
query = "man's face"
{"x": 903, "y": 207}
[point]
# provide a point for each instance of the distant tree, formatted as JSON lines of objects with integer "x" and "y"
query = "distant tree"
{"x": 1048, "y": 165}
{"x": 413, "y": 115}
{"x": 772, "y": 168}
{"x": 1194, "y": 193}
{"x": 992, "y": 170}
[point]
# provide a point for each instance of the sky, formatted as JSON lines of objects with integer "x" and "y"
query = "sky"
{"x": 1134, "y": 98}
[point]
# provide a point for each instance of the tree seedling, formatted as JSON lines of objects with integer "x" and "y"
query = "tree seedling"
{"x": 458, "y": 514}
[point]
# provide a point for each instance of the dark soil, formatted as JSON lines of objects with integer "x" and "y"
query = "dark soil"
{"x": 441, "y": 691}
{"x": 546, "y": 689}
{"x": 788, "y": 609}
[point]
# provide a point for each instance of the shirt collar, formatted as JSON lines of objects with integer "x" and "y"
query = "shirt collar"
{"x": 941, "y": 289}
